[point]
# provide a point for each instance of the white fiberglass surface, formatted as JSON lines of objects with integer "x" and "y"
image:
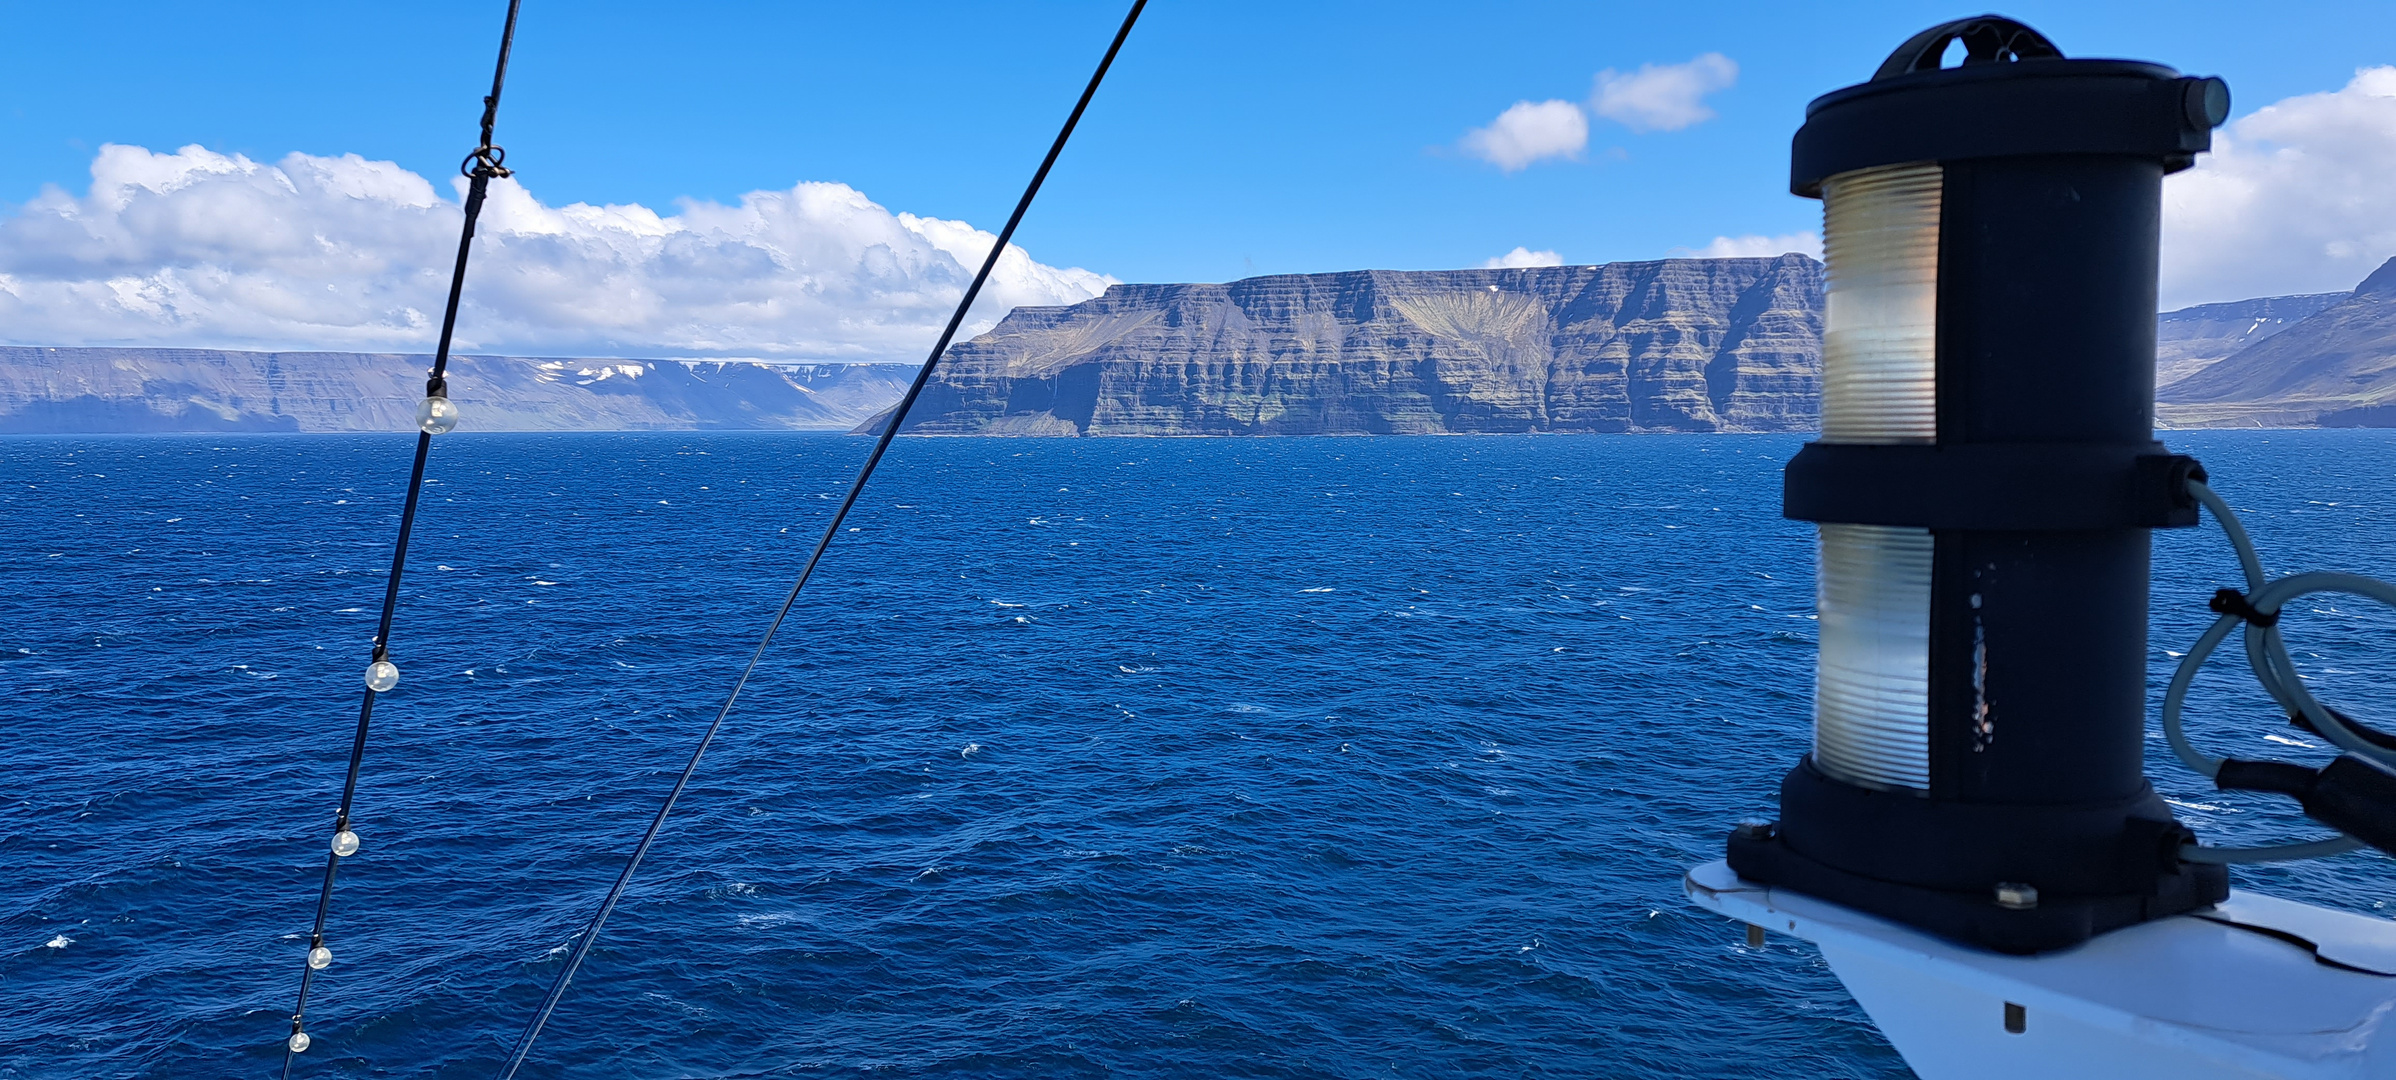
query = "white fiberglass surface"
{"x": 1880, "y": 250}
{"x": 1872, "y": 682}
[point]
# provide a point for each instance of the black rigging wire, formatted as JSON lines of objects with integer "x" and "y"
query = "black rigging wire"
{"x": 480, "y": 166}
{"x": 898, "y": 416}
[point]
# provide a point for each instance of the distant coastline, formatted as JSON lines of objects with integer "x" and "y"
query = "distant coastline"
{"x": 103, "y": 390}
{"x": 1675, "y": 345}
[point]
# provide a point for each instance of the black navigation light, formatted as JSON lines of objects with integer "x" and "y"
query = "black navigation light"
{"x": 1984, "y": 486}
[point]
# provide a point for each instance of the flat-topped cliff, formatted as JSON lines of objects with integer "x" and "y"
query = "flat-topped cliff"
{"x": 44, "y": 390}
{"x": 1672, "y": 345}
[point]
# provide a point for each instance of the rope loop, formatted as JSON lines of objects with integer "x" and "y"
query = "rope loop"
{"x": 485, "y": 162}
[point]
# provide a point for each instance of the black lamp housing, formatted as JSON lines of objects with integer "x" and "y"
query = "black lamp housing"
{"x": 2026, "y": 823}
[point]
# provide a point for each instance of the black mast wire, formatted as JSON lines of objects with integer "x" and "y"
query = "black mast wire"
{"x": 480, "y": 166}
{"x": 898, "y": 416}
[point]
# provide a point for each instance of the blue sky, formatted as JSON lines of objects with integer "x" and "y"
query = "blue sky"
{"x": 1234, "y": 138}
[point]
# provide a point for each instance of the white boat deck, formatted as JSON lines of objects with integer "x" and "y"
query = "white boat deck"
{"x": 2255, "y": 987}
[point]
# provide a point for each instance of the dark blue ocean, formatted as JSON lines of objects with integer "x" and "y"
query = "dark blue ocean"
{"x": 1154, "y": 758}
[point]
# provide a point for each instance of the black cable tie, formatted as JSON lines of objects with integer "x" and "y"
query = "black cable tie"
{"x": 2233, "y": 602}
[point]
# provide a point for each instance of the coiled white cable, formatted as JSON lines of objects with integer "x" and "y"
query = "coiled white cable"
{"x": 2267, "y": 655}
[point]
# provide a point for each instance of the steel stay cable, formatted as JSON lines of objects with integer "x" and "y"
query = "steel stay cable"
{"x": 480, "y": 167}
{"x": 898, "y": 416}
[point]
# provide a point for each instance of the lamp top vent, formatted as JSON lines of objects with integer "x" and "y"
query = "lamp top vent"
{"x": 1987, "y": 39}
{"x": 2014, "y": 94}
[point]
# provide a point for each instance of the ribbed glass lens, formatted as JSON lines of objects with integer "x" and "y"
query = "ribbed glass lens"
{"x": 1879, "y": 385}
{"x": 1880, "y": 251}
{"x": 1872, "y": 682}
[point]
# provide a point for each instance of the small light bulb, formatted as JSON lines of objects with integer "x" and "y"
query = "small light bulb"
{"x": 437, "y": 415}
{"x": 381, "y": 676}
{"x": 299, "y": 1042}
{"x": 345, "y": 843}
{"x": 320, "y": 958}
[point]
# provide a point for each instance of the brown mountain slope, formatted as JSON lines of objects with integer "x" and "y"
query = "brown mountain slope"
{"x": 2336, "y": 367}
{"x": 2194, "y": 338}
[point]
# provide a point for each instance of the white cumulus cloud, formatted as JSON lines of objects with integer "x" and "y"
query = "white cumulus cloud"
{"x": 1521, "y": 257}
{"x": 197, "y": 248}
{"x": 1755, "y": 245}
{"x": 2298, "y": 197}
{"x": 1530, "y": 131}
{"x": 1663, "y": 97}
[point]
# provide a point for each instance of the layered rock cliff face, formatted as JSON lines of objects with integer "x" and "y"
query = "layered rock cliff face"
{"x": 2334, "y": 368}
{"x": 1676, "y": 345}
{"x": 158, "y": 390}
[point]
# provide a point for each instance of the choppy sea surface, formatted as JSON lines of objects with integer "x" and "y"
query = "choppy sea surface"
{"x": 1174, "y": 758}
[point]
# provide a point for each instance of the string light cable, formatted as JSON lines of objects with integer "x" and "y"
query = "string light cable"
{"x": 890, "y": 428}
{"x": 434, "y": 416}
{"x": 2355, "y": 794}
